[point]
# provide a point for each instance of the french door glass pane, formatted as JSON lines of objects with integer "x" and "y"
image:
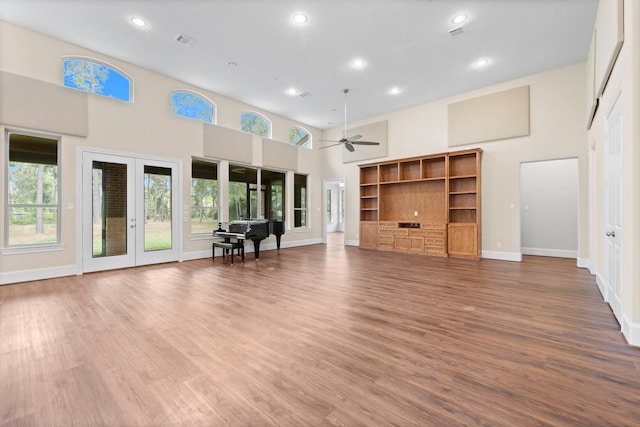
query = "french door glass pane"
{"x": 157, "y": 208}
{"x": 109, "y": 209}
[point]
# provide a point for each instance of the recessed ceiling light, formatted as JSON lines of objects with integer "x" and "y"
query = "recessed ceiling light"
{"x": 459, "y": 19}
{"x": 292, "y": 91}
{"x": 394, "y": 90}
{"x": 232, "y": 64}
{"x": 138, "y": 22}
{"x": 300, "y": 18}
{"x": 481, "y": 63}
{"x": 359, "y": 63}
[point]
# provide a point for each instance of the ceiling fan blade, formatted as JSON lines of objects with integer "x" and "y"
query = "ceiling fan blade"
{"x": 353, "y": 138}
{"x": 329, "y": 140}
{"x": 349, "y": 147}
{"x": 365, "y": 143}
{"x": 332, "y": 145}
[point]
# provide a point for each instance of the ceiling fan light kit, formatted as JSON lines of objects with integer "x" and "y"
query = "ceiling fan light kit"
{"x": 348, "y": 141}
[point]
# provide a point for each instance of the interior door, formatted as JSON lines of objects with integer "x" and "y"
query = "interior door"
{"x": 613, "y": 208}
{"x": 130, "y": 211}
{"x": 108, "y": 190}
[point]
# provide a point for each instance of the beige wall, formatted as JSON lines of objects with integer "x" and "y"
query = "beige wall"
{"x": 145, "y": 127}
{"x": 624, "y": 79}
{"x": 557, "y": 131}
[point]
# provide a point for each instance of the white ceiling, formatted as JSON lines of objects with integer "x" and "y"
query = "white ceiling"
{"x": 405, "y": 43}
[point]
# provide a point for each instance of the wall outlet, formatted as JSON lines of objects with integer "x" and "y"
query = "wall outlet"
{"x": 415, "y": 213}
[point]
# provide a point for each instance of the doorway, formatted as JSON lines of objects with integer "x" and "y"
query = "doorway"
{"x": 130, "y": 211}
{"x": 549, "y": 208}
{"x": 334, "y": 214}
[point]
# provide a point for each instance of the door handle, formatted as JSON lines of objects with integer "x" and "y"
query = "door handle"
{"x": 610, "y": 234}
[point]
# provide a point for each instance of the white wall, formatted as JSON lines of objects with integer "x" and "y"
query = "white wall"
{"x": 558, "y": 130}
{"x": 549, "y": 208}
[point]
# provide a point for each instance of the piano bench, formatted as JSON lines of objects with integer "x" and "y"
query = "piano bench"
{"x": 227, "y": 246}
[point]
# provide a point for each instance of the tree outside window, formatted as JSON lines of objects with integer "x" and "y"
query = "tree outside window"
{"x": 98, "y": 78}
{"x": 256, "y": 124}
{"x": 33, "y": 196}
{"x": 300, "y": 202}
{"x": 204, "y": 197}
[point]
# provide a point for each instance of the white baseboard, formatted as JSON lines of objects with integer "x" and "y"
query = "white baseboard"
{"x": 557, "y": 253}
{"x": 602, "y": 288}
{"x": 37, "y": 274}
{"x": 631, "y": 331}
{"x": 503, "y": 256}
{"x": 584, "y": 263}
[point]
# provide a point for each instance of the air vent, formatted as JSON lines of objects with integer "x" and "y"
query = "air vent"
{"x": 456, "y": 31}
{"x": 304, "y": 94}
{"x": 185, "y": 40}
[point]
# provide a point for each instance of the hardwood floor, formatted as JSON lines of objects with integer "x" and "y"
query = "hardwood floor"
{"x": 317, "y": 336}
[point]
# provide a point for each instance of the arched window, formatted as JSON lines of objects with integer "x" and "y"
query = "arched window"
{"x": 193, "y": 105}
{"x": 90, "y": 75}
{"x": 300, "y": 137}
{"x": 256, "y": 124}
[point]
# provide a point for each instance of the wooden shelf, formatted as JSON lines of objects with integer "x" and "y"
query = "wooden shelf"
{"x": 437, "y": 195}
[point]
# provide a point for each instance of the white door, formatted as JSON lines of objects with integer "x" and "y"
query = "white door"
{"x": 130, "y": 211}
{"x": 613, "y": 208}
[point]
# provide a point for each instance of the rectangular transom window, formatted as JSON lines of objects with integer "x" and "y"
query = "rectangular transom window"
{"x": 33, "y": 197}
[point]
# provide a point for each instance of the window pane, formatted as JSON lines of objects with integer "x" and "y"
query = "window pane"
{"x": 273, "y": 184}
{"x": 32, "y": 190}
{"x": 300, "y": 137}
{"x": 98, "y": 78}
{"x": 29, "y": 226}
{"x": 157, "y": 204}
{"x": 204, "y": 197}
{"x": 31, "y": 183}
{"x": 300, "y": 200}
{"x": 256, "y": 124}
{"x": 242, "y": 192}
{"x": 191, "y": 105}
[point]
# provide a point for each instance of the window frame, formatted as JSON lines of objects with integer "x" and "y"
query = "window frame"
{"x": 265, "y": 118}
{"x": 216, "y": 201}
{"x": 306, "y": 202}
{"x": 118, "y": 70}
{"x": 28, "y": 247}
{"x": 214, "y": 106}
{"x": 308, "y": 144}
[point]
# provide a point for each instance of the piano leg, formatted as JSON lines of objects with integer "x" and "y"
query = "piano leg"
{"x": 278, "y": 236}
{"x": 256, "y": 248}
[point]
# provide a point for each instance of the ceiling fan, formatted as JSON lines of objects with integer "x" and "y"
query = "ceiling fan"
{"x": 348, "y": 141}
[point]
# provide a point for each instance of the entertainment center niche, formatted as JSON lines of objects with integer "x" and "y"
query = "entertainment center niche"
{"x": 427, "y": 205}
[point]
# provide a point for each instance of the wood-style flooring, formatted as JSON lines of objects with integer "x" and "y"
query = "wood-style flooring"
{"x": 322, "y": 335}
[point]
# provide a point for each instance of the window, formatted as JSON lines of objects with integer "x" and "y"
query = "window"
{"x": 32, "y": 194}
{"x": 204, "y": 197}
{"x": 192, "y": 105}
{"x": 243, "y": 192}
{"x": 300, "y": 137}
{"x": 92, "y": 76}
{"x": 300, "y": 200}
{"x": 256, "y": 124}
{"x": 273, "y": 191}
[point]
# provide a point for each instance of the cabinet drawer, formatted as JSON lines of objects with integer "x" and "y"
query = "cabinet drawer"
{"x": 388, "y": 224}
{"x": 394, "y": 231}
{"x": 385, "y": 239}
{"x": 434, "y": 226}
{"x": 438, "y": 242}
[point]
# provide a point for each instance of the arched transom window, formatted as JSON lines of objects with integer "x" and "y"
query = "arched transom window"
{"x": 91, "y": 75}
{"x": 300, "y": 137}
{"x": 256, "y": 124}
{"x": 191, "y": 104}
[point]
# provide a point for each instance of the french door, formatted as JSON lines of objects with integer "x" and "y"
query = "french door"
{"x": 130, "y": 211}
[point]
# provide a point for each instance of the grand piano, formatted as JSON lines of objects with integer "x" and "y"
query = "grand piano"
{"x": 255, "y": 230}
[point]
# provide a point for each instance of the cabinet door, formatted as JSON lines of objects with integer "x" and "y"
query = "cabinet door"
{"x": 417, "y": 243}
{"x": 463, "y": 240}
{"x": 368, "y": 234}
{"x": 402, "y": 242}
